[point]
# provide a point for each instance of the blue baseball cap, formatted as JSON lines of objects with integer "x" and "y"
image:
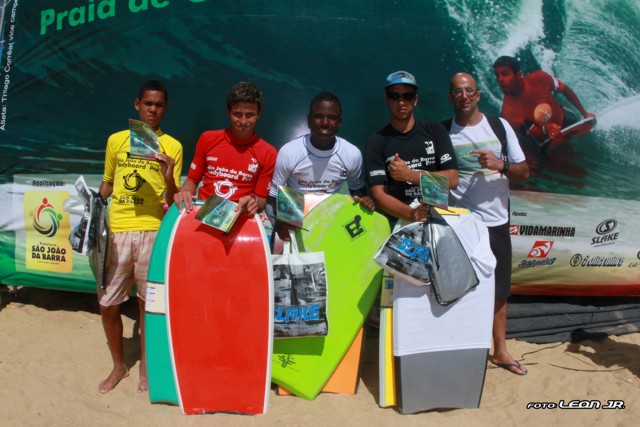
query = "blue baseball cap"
{"x": 401, "y": 77}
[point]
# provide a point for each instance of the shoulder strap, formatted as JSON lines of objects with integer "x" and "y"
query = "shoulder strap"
{"x": 498, "y": 128}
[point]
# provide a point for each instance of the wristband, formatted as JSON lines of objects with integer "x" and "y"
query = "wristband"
{"x": 506, "y": 166}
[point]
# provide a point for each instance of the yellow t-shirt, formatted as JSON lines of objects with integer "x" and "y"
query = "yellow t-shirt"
{"x": 137, "y": 201}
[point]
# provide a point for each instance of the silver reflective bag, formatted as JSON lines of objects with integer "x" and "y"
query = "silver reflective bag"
{"x": 430, "y": 254}
{"x": 452, "y": 274}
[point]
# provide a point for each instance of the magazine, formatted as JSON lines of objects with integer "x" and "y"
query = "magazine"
{"x": 435, "y": 189}
{"x": 219, "y": 213}
{"x": 144, "y": 142}
{"x": 290, "y": 206}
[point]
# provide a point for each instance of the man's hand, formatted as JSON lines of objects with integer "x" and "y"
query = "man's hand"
{"x": 183, "y": 200}
{"x": 366, "y": 201}
{"x": 282, "y": 229}
{"x": 166, "y": 164}
{"x": 553, "y": 130}
{"x": 249, "y": 204}
{"x": 399, "y": 170}
{"x": 488, "y": 160}
{"x": 420, "y": 214}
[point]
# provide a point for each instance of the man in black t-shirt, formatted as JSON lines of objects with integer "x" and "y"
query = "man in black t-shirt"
{"x": 396, "y": 154}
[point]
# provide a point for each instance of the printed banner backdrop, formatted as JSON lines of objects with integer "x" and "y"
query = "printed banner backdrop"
{"x": 71, "y": 70}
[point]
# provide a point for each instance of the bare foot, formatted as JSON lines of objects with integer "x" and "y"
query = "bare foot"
{"x": 112, "y": 380}
{"x": 143, "y": 385}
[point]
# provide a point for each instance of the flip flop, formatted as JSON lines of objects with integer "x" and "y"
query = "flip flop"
{"x": 509, "y": 367}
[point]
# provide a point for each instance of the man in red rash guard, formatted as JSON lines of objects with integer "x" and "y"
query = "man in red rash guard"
{"x": 233, "y": 163}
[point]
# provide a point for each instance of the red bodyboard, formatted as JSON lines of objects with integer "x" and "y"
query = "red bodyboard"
{"x": 220, "y": 316}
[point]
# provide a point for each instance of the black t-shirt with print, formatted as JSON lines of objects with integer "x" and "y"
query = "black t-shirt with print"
{"x": 426, "y": 147}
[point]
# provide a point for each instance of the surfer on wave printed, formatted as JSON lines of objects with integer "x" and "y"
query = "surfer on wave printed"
{"x": 543, "y": 125}
{"x": 529, "y": 103}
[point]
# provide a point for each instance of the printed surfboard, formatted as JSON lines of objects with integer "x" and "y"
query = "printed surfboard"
{"x": 349, "y": 235}
{"x": 162, "y": 387}
{"x": 220, "y": 316}
{"x": 345, "y": 378}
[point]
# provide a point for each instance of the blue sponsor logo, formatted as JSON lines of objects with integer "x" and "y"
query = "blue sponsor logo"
{"x": 297, "y": 313}
{"x": 413, "y": 251}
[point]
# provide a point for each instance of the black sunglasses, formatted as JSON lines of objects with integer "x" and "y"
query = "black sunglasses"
{"x": 406, "y": 96}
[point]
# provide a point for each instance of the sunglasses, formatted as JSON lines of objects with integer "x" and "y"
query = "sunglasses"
{"x": 406, "y": 96}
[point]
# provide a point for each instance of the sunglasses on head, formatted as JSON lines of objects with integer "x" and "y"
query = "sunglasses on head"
{"x": 406, "y": 96}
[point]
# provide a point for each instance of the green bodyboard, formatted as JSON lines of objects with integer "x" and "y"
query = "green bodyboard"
{"x": 349, "y": 235}
{"x": 162, "y": 386}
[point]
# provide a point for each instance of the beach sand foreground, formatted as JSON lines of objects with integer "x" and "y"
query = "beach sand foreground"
{"x": 53, "y": 354}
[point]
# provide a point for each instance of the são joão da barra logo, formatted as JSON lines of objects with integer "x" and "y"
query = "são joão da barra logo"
{"x": 46, "y": 220}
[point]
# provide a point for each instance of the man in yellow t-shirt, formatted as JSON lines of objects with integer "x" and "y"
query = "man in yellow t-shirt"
{"x": 139, "y": 190}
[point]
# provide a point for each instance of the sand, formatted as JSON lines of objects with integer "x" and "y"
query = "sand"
{"x": 53, "y": 354}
